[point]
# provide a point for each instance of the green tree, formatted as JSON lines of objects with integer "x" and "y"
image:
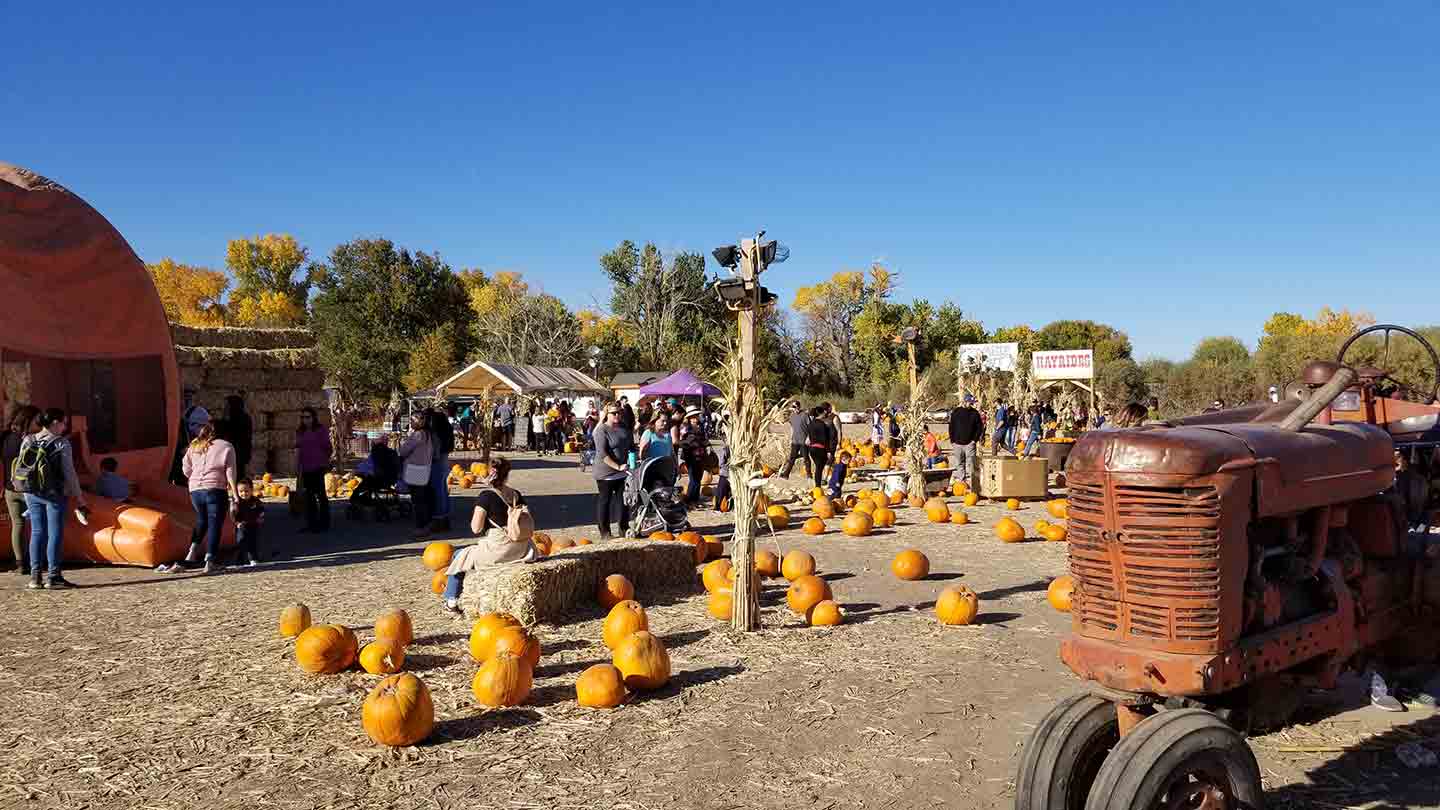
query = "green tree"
{"x": 376, "y": 303}
{"x": 1108, "y": 342}
{"x": 1120, "y": 382}
{"x": 1221, "y": 350}
{"x": 1289, "y": 341}
{"x": 436, "y": 357}
{"x": 674, "y": 316}
{"x": 828, "y": 313}
{"x": 273, "y": 264}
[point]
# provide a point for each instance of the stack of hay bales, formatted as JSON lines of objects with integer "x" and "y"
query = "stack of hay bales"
{"x": 276, "y": 371}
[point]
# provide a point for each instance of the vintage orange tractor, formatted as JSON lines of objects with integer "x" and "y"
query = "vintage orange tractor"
{"x": 1224, "y": 564}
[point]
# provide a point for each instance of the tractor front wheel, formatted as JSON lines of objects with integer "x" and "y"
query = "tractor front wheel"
{"x": 1184, "y": 758}
{"x": 1064, "y": 754}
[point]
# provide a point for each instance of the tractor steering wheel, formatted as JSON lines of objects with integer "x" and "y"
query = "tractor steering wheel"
{"x": 1423, "y": 397}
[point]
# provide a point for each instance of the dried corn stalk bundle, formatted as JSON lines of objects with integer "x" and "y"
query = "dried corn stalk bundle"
{"x": 922, "y": 401}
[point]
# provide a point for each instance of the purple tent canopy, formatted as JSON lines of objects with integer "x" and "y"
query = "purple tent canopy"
{"x": 680, "y": 384}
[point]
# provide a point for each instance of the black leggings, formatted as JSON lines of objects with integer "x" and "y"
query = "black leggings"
{"x": 317, "y": 504}
{"x": 817, "y": 460}
{"x": 611, "y": 489}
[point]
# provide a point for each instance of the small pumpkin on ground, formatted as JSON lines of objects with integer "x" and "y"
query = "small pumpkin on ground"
{"x": 971, "y": 499}
{"x": 823, "y": 508}
{"x": 395, "y": 625}
{"x": 1061, "y": 592}
{"x": 696, "y": 542}
{"x": 293, "y": 620}
{"x": 1012, "y": 504}
{"x": 897, "y": 498}
{"x": 884, "y": 516}
{"x": 437, "y": 582}
{"x": 325, "y": 649}
{"x": 959, "y": 518}
{"x": 382, "y": 657}
{"x": 1008, "y": 530}
{"x": 437, "y": 555}
{"x": 910, "y": 564}
{"x": 1053, "y": 531}
{"x": 917, "y": 501}
{"x": 1058, "y": 508}
{"x": 865, "y": 506}
{"x": 779, "y": 517}
{"x": 814, "y": 526}
{"x": 825, "y": 614}
{"x": 767, "y": 564}
{"x": 807, "y": 592}
{"x": 661, "y": 535}
{"x": 623, "y": 620}
{"x": 643, "y": 661}
{"x": 857, "y": 524}
{"x": 600, "y": 687}
{"x": 721, "y": 603}
{"x": 797, "y": 564}
{"x": 937, "y": 511}
{"x": 715, "y": 574}
{"x": 957, "y": 605}
{"x": 482, "y": 634}
{"x": 398, "y": 711}
{"x": 613, "y": 590}
{"x": 959, "y": 488}
{"x": 504, "y": 680}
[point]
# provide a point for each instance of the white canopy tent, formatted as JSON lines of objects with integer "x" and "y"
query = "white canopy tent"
{"x": 479, "y": 377}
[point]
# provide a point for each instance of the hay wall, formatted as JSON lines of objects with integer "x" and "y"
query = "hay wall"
{"x": 548, "y": 590}
{"x": 277, "y": 371}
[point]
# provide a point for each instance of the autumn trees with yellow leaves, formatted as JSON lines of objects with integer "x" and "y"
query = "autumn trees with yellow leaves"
{"x": 272, "y": 285}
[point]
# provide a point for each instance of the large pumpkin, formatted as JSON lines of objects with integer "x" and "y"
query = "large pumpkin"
{"x": 797, "y": 564}
{"x": 382, "y": 657}
{"x": 504, "y": 680}
{"x": 1053, "y": 531}
{"x": 884, "y": 517}
{"x": 823, "y": 508}
{"x": 857, "y": 524}
{"x": 721, "y": 603}
{"x": 697, "y": 543}
{"x": 437, "y": 581}
{"x": 814, "y": 526}
{"x": 1060, "y": 593}
{"x": 910, "y": 564}
{"x": 293, "y": 620}
{"x": 600, "y": 687}
{"x": 779, "y": 517}
{"x": 395, "y": 625}
{"x": 613, "y": 590}
{"x": 715, "y": 574}
{"x": 767, "y": 564}
{"x": 971, "y": 499}
{"x": 937, "y": 511}
{"x": 325, "y": 649}
{"x": 643, "y": 661}
{"x": 1059, "y": 508}
{"x": 1008, "y": 530}
{"x": 806, "y": 592}
{"x": 519, "y": 642}
{"x": 482, "y": 634}
{"x": 825, "y": 614}
{"x": 957, "y": 605}
{"x": 959, "y": 518}
{"x": 865, "y": 506}
{"x": 398, "y": 711}
{"x": 437, "y": 555}
{"x": 623, "y": 620}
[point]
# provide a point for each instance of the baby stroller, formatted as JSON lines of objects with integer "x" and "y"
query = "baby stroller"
{"x": 654, "y": 501}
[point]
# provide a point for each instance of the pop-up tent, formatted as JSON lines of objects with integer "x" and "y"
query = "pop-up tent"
{"x": 479, "y": 377}
{"x": 680, "y": 384}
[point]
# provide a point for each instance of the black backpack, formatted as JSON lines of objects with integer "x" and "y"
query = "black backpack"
{"x": 37, "y": 470}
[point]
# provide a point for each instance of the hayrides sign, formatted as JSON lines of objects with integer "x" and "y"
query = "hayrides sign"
{"x": 1067, "y": 364}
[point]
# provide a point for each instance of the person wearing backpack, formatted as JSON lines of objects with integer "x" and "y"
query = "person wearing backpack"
{"x": 44, "y": 471}
{"x": 21, "y": 424}
{"x": 503, "y": 527}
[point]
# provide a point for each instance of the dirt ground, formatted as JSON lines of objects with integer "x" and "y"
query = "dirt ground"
{"x": 154, "y": 691}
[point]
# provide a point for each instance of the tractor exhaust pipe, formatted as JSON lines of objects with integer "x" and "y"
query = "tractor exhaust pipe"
{"x": 1318, "y": 401}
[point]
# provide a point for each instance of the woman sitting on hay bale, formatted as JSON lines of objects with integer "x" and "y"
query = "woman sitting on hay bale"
{"x": 503, "y": 528}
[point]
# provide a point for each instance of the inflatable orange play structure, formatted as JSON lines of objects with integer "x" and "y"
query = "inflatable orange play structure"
{"x": 83, "y": 329}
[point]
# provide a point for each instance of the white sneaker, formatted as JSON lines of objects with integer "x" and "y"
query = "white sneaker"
{"x": 452, "y": 605}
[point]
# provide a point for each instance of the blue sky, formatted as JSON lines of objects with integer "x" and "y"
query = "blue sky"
{"x": 1177, "y": 170}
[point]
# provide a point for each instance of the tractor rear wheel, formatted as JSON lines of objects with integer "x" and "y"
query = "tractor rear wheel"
{"x": 1184, "y": 759}
{"x": 1064, "y": 753}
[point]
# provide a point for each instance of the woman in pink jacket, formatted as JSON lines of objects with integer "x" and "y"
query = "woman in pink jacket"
{"x": 209, "y": 464}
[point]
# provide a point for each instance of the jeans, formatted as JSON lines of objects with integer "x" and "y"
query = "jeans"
{"x": 965, "y": 456}
{"x": 211, "y": 508}
{"x": 19, "y": 538}
{"x": 439, "y": 489}
{"x": 692, "y": 492}
{"x": 797, "y": 451}
{"x": 611, "y": 489}
{"x": 420, "y": 502}
{"x": 998, "y": 441}
{"x": 1032, "y": 442}
{"x": 317, "y": 504}
{"x": 454, "y": 585}
{"x": 247, "y": 542}
{"x": 817, "y": 463}
{"x": 47, "y": 530}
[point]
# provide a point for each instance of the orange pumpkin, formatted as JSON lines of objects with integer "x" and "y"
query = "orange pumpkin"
{"x": 857, "y": 524}
{"x": 482, "y": 634}
{"x": 714, "y": 547}
{"x": 398, "y": 711}
{"x": 715, "y": 575}
{"x": 865, "y": 506}
{"x": 1059, "y": 508}
{"x": 823, "y": 508}
{"x": 816, "y": 493}
{"x": 293, "y": 620}
{"x": 437, "y": 582}
{"x": 814, "y": 526}
{"x": 503, "y": 680}
{"x": 721, "y": 603}
{"x": 622, "y": 621}
{"x": 697, "y": 543}
{"x": 1009, "y": 531}
{"x": 613, "y": 590}
{"x": 600, "y": 687}
{"x": 884, "y": 516}
{"x": 865, "y": 494}
{"x": 957, "y": 605}
{"x": 560, "y": 544}
{"x": 959, "y": 518}
{"x": 971, "y": 499}
{"x": 959, "y": 488}
{"x": 767, "y": 564}
{"x": 437, "y": 555}
{"x": 910, "y": 564}
{"x": 1053, "y": 531}
{"x": 643, "y": 661}
{"x": 395, "y": 625}
{"x": 825, "y": 614}
{"x": 779, "y": 517}
{"x": 917, "y": 501}
{"x": 1012, "y": 503}
{"x": 382, "y": 657}
{"x": 724, "y": 505}
{"x": 541, "y": 541}
{"x": 467, "y": 482}
{"x": 1060, "y": 593}
{"x": 584, "y": 541}
{"x": 661, "y": 535}
{"x": 520, "y": 642}
{"x": 325, "y": 649}
{"x": 806, "y": 592}
{"x": 797, "y": 564}
{"x": 897, "y": 498}
{"x": 937, "y": 511}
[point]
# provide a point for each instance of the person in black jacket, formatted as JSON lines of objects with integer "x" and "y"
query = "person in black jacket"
{"x": 242, "y": 433}
{"x": 966, "y": 432}
{"x": 817, "y": 442}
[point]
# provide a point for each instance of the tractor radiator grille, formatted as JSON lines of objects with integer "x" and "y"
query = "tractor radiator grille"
{"x": 1146, "y": 562}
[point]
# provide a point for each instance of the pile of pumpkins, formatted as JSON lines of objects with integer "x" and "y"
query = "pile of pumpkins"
{"x": 706, "y": 546}
{"x": 398, "y": 710}
{"x": 807, "y": 595}
{"x": 465, "y": 479}
{"x": 268, "y": 487}
{"x": 341, "y": 486}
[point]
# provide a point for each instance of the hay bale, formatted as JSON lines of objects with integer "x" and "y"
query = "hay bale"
{"x": 229, "y": 337}
{"x": 546, "y": 591}
{"x": 255, "y": 379}
{"x": 211, "y": 357}
{"x": 284, "y": 400}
